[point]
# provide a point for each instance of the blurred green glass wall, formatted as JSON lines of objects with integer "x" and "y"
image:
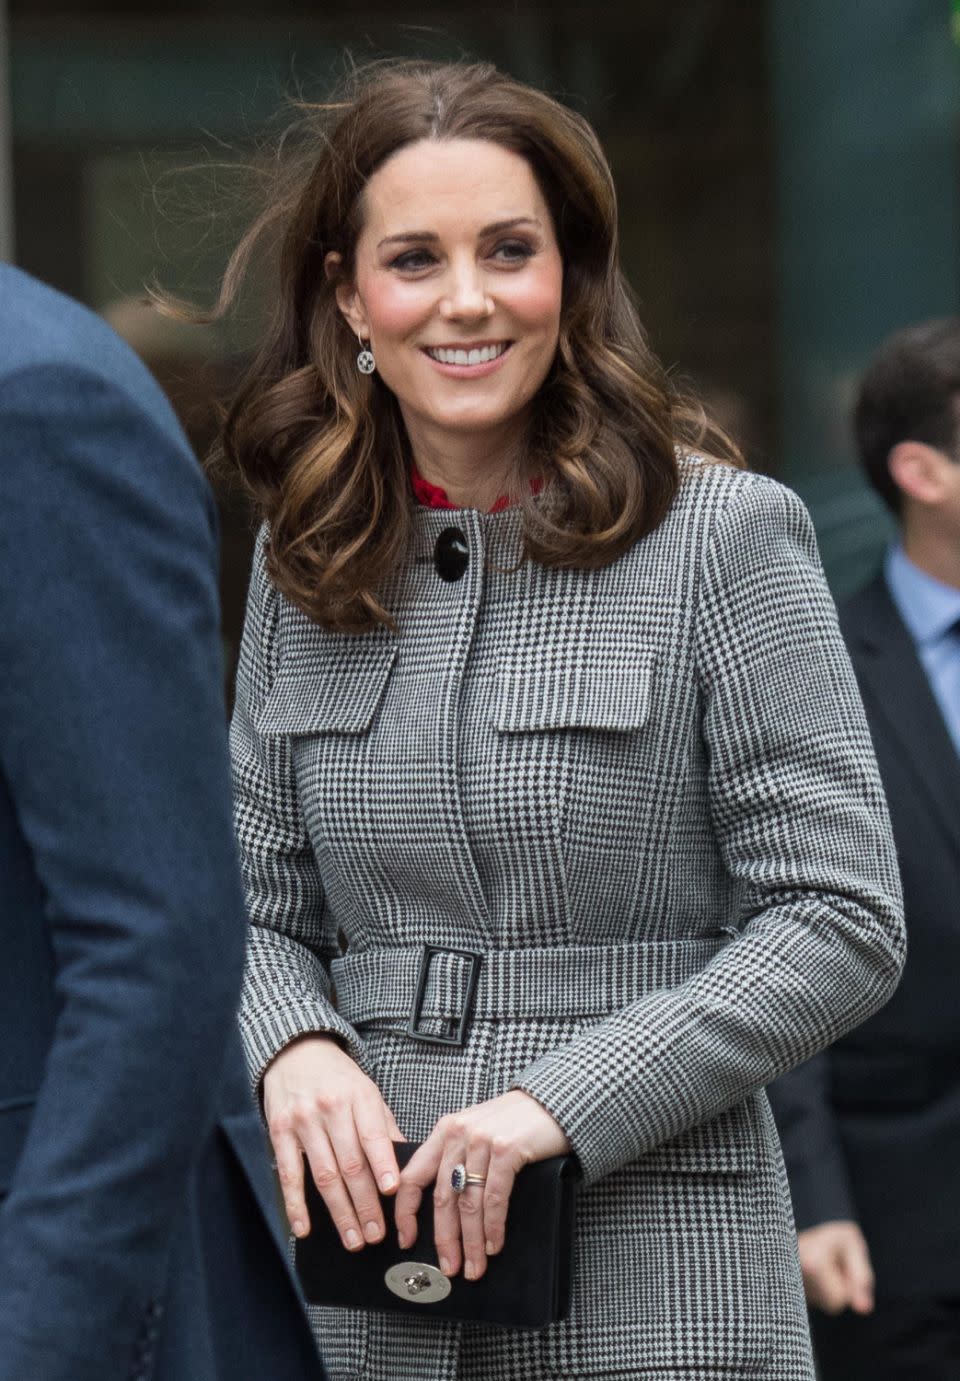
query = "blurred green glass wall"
{"x": 787, "y": 179}
{"x": 866, "y": 104}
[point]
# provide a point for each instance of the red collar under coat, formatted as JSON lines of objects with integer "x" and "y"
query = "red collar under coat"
{"x": 432, "y": 496}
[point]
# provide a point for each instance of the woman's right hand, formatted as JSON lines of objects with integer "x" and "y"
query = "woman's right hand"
{"x": 318, "y": 1101}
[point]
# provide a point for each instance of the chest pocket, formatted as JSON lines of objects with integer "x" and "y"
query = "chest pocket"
{"x": 569, "y": 739}
{"x": 575, "y": 696}
{"x": 333, "y": 690}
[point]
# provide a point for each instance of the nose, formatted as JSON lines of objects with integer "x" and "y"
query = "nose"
{"x": 466, "y": 296}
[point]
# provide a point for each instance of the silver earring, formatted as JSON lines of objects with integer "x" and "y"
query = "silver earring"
{"x": 365, "y": 361}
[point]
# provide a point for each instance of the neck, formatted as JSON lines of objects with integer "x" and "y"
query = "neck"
{"x": 474, "y": 470}
{"x": 934, "y": 550}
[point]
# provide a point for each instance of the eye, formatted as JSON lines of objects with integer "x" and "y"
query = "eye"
{"x": 412, "y": 259}
{"x": 512, "y": 251}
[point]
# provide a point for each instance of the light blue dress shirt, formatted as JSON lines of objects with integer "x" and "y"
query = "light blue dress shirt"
{"x": 931, "y": 612}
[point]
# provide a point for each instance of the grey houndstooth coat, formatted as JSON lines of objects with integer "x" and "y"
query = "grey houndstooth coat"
{"x": 647, "y": 795}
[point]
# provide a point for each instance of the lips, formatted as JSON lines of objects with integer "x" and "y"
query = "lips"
{"x": 467, "y": 355}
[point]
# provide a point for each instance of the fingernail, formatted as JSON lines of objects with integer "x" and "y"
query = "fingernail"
{"x": 470, "y": 1271}
{"x": 298, "y": 1227}
{"x": 445, "y": 1265}
{"x": 490, "y": 1248}
{"x": 371, "y": 1232}
{"x": 352, "y": 1239}
{"x": 387, "y": 1183}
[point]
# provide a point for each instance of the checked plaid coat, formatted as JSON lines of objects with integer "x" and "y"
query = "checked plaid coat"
{"x": 646, "y": 795}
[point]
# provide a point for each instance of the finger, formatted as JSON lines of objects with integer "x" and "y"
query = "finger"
{"x": 289, "y": 1157}
{"x": 419, "y": 1172}
{"x": 501, "y": 1176}
{"x": 326, "y": 1176}
{"x": 355, "y": 1172}
{"x": 446, "y": 1208}
{"x": 831, "y": 1289}
{"x": 861, "y": 1301}
{"x": 859, "y": 1275}
{"x": 374, "y": 1133}
{"x": 392, "y": 1127}
{"x": 405, "y": 1211}
{"x": 814, "y": 1264}
{"x": 471, "y": 1206}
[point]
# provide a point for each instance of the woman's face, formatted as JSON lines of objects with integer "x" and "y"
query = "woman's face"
{"x": 457, "y": 287}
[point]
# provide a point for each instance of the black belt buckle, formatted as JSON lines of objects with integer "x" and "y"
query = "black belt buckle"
{"x": 413, "y": 1024}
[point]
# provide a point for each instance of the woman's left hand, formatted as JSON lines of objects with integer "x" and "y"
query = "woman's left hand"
{"x": 494, "y": 1139}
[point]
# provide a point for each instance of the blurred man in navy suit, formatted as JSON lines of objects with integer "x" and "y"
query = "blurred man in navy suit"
{"x": 871, "y": 1128}
{"x": 136, "y": 1232}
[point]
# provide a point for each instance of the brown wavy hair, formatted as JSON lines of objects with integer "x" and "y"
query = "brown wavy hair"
{"x": 322, "y": 450}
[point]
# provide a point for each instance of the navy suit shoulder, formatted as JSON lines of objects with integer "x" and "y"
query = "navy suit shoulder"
{"x": 870, "y": 613}
{"x": 855, "y": 608}
{"x": 44, "y": 328}
{"x": 50, "y": 339}
{"x": 131, "y": 1240}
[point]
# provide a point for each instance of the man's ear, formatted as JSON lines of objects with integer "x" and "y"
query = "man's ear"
{"x": 345, "y": 292}
{"x": 919, "y": 471}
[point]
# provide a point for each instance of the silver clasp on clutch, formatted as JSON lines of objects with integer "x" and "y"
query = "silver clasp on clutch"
{"x": 418, "y": 1282}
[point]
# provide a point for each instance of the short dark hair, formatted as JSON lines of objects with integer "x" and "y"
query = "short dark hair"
{"x": 909, "y": 392}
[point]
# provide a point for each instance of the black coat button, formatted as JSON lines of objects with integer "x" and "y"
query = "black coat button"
{"x": 451, "y": 554}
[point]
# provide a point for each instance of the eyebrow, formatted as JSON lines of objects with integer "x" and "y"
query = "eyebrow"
{"x": 431, "y": 237}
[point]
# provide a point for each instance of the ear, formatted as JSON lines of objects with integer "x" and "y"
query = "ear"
{"x": 920, "y": 472}
{"x": 345, "y": 292}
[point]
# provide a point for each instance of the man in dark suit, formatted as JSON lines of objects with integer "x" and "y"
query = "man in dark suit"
{"x": 871, "y": 1128}
{"x": 136, "y": 1232}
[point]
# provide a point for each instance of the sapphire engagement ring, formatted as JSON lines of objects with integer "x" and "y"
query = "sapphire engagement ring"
{"x": 460, "y": 1179}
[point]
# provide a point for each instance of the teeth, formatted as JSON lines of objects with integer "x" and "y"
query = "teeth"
{"x": 484, "y": 356}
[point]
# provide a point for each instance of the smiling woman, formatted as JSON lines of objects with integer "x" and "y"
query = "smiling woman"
{"x": 437, "y": 208}
{"x": 558, "y": 814}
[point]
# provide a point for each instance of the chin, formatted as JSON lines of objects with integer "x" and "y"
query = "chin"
{"x": 473, "y": 419}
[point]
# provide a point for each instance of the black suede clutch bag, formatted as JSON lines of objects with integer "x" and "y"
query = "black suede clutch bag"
{"x": 526, "y": 1286}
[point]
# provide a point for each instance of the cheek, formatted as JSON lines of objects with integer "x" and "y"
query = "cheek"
{"x": 536, "y": 298}
{"x": 393, "y": 308}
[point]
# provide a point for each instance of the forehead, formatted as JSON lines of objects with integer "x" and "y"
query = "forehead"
{"x": 438, "y": 184}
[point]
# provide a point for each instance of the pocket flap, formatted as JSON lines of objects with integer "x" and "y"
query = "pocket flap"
{"x": 578, "y": 695}
{"x": 337, "y": 692}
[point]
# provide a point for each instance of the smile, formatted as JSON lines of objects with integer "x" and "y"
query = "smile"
{"x": 476, "y": 356}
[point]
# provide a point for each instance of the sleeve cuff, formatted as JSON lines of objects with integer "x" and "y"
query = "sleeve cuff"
{"x": 284, "y": 997}
{"x": 568, "y": 1106}
{"x": 820, "y": 1194}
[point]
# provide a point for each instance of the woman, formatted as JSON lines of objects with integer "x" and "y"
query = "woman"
{"x": 524, "y": 676}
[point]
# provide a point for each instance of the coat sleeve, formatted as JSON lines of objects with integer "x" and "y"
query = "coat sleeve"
{"x": 801, "y": 823}
{"x": 113, "y": 752}
{"x": 287, "y": 989}
{"x": 816, "y": 1167}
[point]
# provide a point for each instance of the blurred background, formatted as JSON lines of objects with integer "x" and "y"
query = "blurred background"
{"x": 787, "y": 173}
